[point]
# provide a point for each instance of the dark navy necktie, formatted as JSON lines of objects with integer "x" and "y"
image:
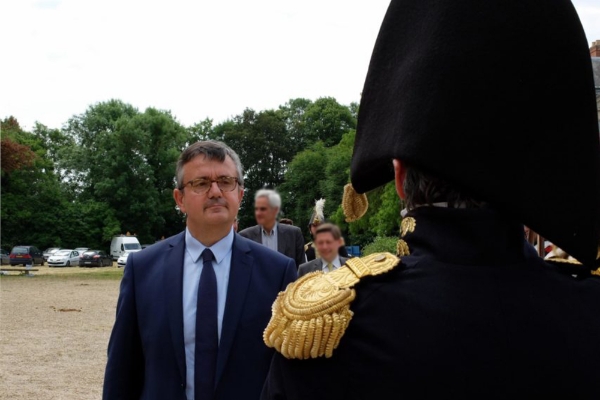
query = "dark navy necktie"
{"x": 207, "y": 341}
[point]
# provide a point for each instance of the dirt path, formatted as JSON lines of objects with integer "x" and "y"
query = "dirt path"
{"x": 53, "y": 336}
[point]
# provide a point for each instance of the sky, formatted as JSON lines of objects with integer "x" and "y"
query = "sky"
{"x": 196, "y": 58}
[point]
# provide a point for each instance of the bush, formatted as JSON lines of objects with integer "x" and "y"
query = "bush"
{"x": 381, "y": 244}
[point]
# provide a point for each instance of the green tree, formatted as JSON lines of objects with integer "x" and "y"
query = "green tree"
{"x": 381, "y": 244}
{"x": 34, "y": 203}
{"x": 126, "y": 160}
{"x": 302, "y": 184}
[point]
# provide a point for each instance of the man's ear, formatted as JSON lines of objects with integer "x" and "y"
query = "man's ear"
{"x": 400, "y": 175}
{"x": 178, "y": 196}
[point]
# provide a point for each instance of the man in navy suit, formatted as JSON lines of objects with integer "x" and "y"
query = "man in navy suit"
{"x": 153, "y": 351}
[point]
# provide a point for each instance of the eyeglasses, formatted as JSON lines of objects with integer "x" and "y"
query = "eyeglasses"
{"x": 203, "y": 185}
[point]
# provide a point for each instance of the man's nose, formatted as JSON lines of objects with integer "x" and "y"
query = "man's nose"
{"x": 214, "y": 190}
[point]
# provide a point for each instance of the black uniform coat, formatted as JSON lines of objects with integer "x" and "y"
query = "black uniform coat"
{"x": 471, "y": 313}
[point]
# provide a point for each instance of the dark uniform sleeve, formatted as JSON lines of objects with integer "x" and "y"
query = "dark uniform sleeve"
{"x": 314, "y": 379}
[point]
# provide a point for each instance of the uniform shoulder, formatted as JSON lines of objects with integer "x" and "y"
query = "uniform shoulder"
{"x": 311, "y": 316}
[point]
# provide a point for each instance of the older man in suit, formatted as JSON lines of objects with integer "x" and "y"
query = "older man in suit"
{"x": 327, "y": 240}
{"x": 192, "y": 308}
{"x": 286, "y": 239}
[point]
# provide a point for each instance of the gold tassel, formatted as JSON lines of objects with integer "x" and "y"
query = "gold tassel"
{"x": 354, "y": 205}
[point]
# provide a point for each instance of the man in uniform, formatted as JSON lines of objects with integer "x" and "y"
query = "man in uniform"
{"x": 316, "y": 219}
{"x": 457, "y": 97}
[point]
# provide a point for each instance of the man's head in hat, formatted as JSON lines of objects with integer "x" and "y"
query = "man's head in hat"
{"x": 466, "y": 106}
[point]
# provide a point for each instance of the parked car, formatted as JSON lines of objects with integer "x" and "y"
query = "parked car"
{"x": 81, "y": 250}
{"x": 95, "y": 258}
{"x": 49, "y": 251}
{"x": 122, "y": 260}
{"x": 5, "y": 257}
{"x": 26, "y": 255}
{"x": 64, "y": 258}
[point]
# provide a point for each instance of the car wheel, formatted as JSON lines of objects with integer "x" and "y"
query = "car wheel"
{"x": 68, "y": 264}
{"x": 42, "y": 263}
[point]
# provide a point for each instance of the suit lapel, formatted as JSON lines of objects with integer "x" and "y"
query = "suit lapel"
{"x": 239, "y": 278}
{"x": 173, "y": 279}
{"x": 258, "y": 234}
{"x": 281, "y": 231}
{"x": 317, "y": 265}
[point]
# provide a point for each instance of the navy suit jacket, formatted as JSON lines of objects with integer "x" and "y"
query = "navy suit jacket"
{"x": 146, "y": 353}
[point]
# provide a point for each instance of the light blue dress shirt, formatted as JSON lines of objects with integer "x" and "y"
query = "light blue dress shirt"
{"x": 270, "y": 240}
{"x": 192, "y": 269}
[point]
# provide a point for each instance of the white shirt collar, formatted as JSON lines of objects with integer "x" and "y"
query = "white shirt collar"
{"x": 336, "y": 262}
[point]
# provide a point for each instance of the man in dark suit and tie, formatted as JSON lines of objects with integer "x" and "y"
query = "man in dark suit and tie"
{"x": 286, "y": 239}
{"x": 328, "y": 239}
{"x": 192, "y": 309}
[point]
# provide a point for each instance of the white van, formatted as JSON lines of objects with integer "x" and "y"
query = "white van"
{"x": 121, "y": 244}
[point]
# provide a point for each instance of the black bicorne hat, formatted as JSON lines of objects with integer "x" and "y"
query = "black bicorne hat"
{"x": 491, "y": 96}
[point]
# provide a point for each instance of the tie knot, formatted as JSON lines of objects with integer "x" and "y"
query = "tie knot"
{"x": 207, "y": 255}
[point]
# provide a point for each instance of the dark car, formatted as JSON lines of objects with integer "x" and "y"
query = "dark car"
{"x": 95, "y": 258}
{"x": 26, "y": 255}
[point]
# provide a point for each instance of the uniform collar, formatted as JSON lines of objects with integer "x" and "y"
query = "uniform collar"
{"x": 466, "y": 236}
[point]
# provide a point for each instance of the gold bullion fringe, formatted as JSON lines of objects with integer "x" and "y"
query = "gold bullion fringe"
{"x": 354, "y": 205}
{"x": 309, "y": 319}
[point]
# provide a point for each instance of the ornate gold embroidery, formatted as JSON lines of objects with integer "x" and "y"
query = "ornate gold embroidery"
{"x": 311, "y": 316}
{"x": 402, "y": 248}
{"x": 354, "y": 205}
{"x": 407, "y": 225}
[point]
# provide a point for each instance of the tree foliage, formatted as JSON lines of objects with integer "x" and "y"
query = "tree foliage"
{"x": 111, "y": 170}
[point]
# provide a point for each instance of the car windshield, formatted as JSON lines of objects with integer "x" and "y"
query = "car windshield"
{"x": 132, "y": 246}
{"x": 89, "y": 253}
{"x": 19, "y": 250}
{"x": 62, "y": 253}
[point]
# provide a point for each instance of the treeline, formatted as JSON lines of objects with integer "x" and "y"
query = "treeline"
{"x": 111, "y": 170}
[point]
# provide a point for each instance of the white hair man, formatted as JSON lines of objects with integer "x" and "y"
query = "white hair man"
{"x": 285, "y": 239}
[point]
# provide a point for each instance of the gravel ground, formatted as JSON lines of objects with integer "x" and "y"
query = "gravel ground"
{"x": 54, "y": 332}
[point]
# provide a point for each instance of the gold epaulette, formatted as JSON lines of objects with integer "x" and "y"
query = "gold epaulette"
{"x": 311, "y": 316}
{"x": 307, "y": 246}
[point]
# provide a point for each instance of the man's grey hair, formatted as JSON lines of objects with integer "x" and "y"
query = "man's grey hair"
{"x": 212, "y": 150}
{"x": 271, "y": 195}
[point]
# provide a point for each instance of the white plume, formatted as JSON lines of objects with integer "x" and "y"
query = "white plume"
{"x": 319, "y": 206}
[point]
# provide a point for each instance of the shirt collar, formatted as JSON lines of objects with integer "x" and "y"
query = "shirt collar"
{"x": 273, "y": 231}
{"x": 336, "y": 262}
{"x": 219, "y": 249}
